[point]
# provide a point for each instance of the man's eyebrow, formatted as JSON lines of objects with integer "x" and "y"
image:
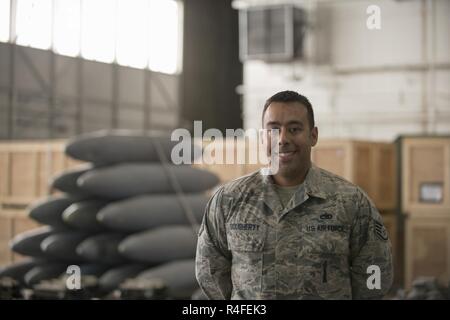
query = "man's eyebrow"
{"x": 289, "y": 123}
{"x": 295, "y": 122}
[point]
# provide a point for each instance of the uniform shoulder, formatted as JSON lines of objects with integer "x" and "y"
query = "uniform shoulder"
{"x": 337, "y": 185}
{"x": 333, "y": 183}
{"x": 242, "y": 184}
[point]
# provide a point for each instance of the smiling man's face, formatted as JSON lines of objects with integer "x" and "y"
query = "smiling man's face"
{"x": 295, "y": 137}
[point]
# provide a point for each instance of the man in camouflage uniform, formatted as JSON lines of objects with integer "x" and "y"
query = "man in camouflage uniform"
{"x": 302, "y": 233}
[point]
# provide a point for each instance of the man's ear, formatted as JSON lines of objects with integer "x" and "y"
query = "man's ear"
{"x": 314, "y": 136}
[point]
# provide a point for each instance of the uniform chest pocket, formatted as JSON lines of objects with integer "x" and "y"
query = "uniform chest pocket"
{"x": 323, "y": 264}
{"x": 246, "y": 243}
{"x": 246, "y": 236}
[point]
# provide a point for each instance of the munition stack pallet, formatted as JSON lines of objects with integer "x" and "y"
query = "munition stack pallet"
{"x": 142, "y": 289}
{"x": 10, "y": 289}
{"x": 57, "y": 289}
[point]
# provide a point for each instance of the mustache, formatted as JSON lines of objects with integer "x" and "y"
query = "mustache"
{"x": 282, "y": 150}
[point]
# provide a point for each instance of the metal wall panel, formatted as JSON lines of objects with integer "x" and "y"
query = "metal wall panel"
{"x": 66, "y": 76}
{"x": 73, "y": 96}
{"x": 32, "y": 69}
{"x": 4, "y": 64}
{"x": 131, "y": 85}
{"x": 97, "y": 80}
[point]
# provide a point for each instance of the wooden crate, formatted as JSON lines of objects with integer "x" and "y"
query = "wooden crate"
{"x": 228, "y": 172}
{"x": 12, "y": 223}
{"x": 370, "y": 165}
{"x": 425, "y": 165}
{"x": 27, "y": 167}
{"x": 427, "y": 248}
{"x": 6, "y": 233}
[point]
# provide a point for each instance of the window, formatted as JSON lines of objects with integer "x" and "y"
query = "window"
{"x": 4, "y": 20}
{"x": 34, "y": 23}
{"x": 97, "y": 30}
{"x": 132, "y": 33}
{"x": 139, "y": 33}
{"x": 163, "y": 55}
{"x": 66, "y": 34}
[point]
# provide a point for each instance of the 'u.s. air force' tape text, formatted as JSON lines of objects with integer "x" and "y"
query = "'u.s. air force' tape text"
{"x": 238, "y": 309}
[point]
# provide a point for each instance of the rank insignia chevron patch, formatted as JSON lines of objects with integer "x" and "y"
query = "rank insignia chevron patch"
{"x": 380, "y": 231}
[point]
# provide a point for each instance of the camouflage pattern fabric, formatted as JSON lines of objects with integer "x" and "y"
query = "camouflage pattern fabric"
{"x": 319, "y": 247}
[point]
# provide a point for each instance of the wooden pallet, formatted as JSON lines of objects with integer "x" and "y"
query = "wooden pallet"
{"x": 12, "y": 223}
{"x": 426, "y": 176}
{"x": 427, "y": 248}
{"x": 370, "y": 165}
{"x": 26, "y": 169}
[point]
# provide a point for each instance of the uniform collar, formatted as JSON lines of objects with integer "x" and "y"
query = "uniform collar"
{"x": 314, "y": 184}
{"x": 311, "y": 187}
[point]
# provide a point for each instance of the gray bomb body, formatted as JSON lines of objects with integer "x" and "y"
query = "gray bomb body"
{"x": 83, "y": 215}
{"x": 44, "y": 271}
{"x": 150, "y": 211}
{"x": 62, "y": 245}
{"x": 160, "y": 245}
{"x": 54, "y": 270}
{"x": 108, "y": 147}
{"x": 18, "y": 270}
{"x": 67, "y": 181}
{"x": 102, "y": 248}
{"x": 112, "y": 278}
{"x": 28, "y": 243}
{"x": 134, "y": 179}
{"x": 178, "y": 276}
{"x": 49, "y": 211}
{"x": 93, "y": 269}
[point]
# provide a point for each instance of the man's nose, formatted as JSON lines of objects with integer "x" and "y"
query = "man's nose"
{"x": 283, "y": 137}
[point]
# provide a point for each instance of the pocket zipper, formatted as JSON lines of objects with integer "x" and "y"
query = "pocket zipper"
{"x": 324, "y": 272}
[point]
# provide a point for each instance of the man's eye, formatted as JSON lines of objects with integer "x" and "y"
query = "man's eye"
{"x": 294, "y": 130}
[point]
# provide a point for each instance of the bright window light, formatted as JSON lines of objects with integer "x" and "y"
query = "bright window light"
{"x": 132, "y": 33}
{"x": 34, "y": 23}
{"x": 163, "y": 19}
{"x": 98, "y": 33}
{"x": 139, "y": 33}
{"x": 4, "y": 20}
{"x": 66, "y": 31}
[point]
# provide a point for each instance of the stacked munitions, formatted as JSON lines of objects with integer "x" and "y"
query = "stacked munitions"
{"x": 129, "y": 213}
{"x": 425, "y": 288}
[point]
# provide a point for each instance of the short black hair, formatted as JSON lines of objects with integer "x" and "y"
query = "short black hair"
{"x": 291, "y": 96}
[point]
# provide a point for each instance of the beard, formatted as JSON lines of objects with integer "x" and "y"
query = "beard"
{"x": 296, "y": 167}
{"x": 289, "y": 169}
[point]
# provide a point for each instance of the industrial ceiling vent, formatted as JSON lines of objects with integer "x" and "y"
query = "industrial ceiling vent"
{"x": 272, "y": 33}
